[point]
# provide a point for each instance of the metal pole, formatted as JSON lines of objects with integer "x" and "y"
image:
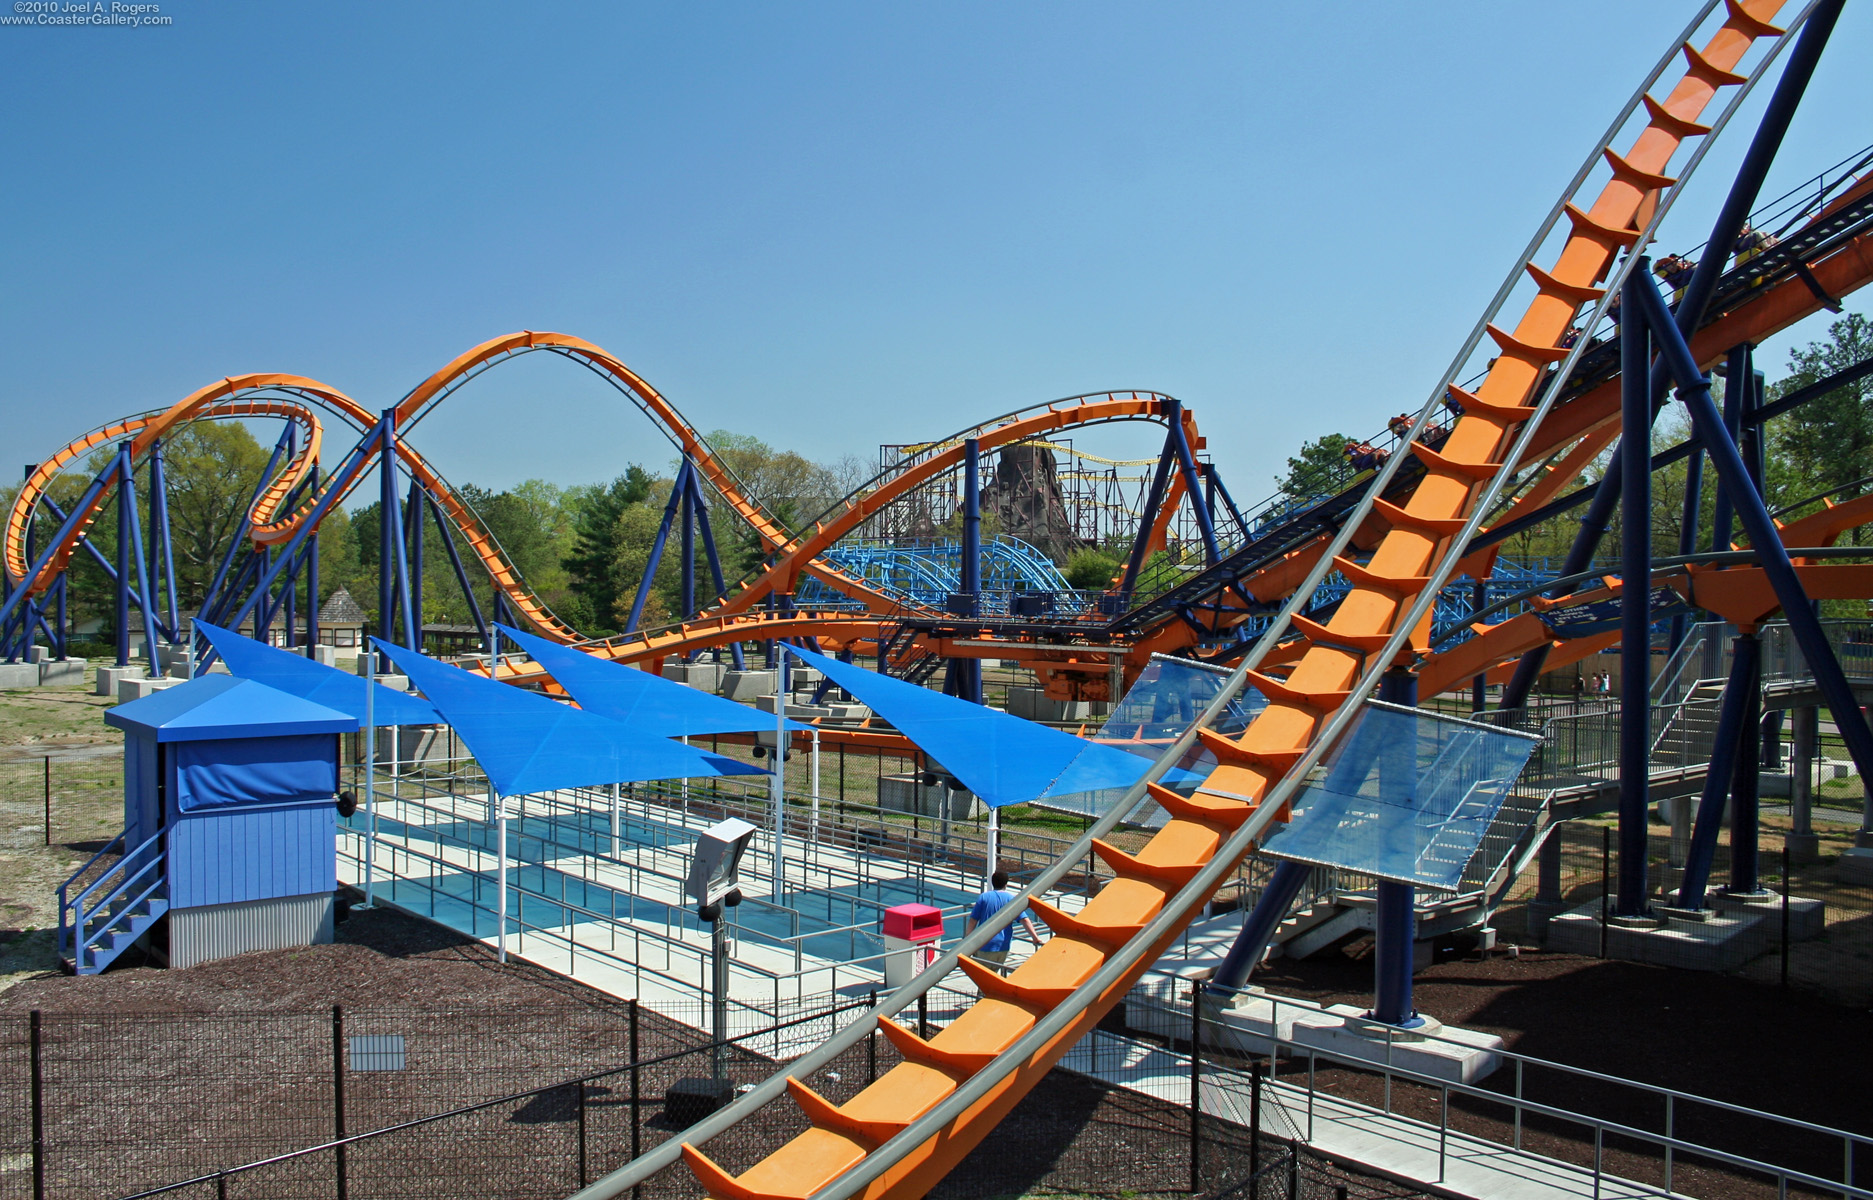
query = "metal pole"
{"x": 338, "y": 1095}
{"x": 1196, "y": 1088}
{"x": 370, "y": 776}
{"x": 36, "y": 1065}
{"x": 991, "y": 859}
{"x": 1785, "y": 915}
{"x": 815, "y": 762}
{"x": 718, "y": 989}
{"x": 777, "y": 785}
{"x": 637, "y": 1131}
{"x": 1635, "y": 614}
{"x": 1395, "y": 919}
{"x": 499, "y": 804}
{"x": 1606, "y": 882}
{"x": 48, "y": 799}
{"x": 1745, "y": 788}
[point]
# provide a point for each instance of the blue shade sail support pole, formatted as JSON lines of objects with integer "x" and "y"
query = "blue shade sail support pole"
{"x": 370, "y": 778}
{"x": 1757, "y": 160}
{"x": 1395, "y": 923}
{"x": 777, "y": 784}
{"x": 1635, "y": 614}
{"x": 1759, "y": 526}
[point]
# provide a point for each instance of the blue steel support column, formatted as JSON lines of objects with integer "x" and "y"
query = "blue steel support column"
{"x": 1744, "y": 682}
{"x": 455, "y": 563}
{"x": 126, "y": 504}
{"x": 386, "y": 501}
{"x": 1697, "y": 293}
{"x": 1735, "y": 398}
{"x": 1635, "y": 613}
{"x": 1258, "y": 928}
{"x": 1154, "y": 499}
{"x": 128, "y": 491}
{"x": 689, "y": 550}
{"x": 394, "y": 535}
{"x": 312, "y": 578}
{"x": 413, "y": 528}
{"x": 969, "y": 670}
{"x": 62, "y": 622}
{"x": 1694, "y": 390}
{"x": 1395, "y": 923}
{"x": 1745, "y": 784}
{"x": 1692, "y": 516}
{"x": 656, "y": 549}
{"x": 159, "y": 527}
{"x": 1193, "y": 491}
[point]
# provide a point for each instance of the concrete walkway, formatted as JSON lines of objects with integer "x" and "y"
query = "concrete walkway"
{"x": 1409, "y": 1151}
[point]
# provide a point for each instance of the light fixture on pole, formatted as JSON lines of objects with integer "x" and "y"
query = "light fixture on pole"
{"x": 714, "y": 883}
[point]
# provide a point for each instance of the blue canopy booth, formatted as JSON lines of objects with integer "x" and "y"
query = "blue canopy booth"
{"x": 230, "y": 825}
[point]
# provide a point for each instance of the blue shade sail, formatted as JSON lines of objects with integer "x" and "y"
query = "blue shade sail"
{"x": 647, "y": 703}
{"x": 1003, "y": 759}
{"x": 1166, "y": 699}
{"x": 221, "y": 706}
{"x": 297, "y": 675}
{"x": 1406, "y": 795}
{"x": 527, "y": 743}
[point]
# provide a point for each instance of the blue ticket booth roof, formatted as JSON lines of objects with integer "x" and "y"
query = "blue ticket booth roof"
{"x": 220, "y": 707}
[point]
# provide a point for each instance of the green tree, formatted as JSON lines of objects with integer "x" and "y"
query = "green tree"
{"x": 1092, "y": 570}
{"x": 634, "y": 536}
{"x": 213, "y": 468}
{"x": 1318, "y": 471}
{"x": 592, "y": 562}
{"x": 1826, "y": 445}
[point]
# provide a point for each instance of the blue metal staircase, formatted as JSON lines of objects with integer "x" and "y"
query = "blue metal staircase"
{"x": 108, "y": 915}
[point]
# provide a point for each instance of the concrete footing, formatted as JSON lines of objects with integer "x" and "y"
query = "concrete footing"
{"x": 136, "y": 688}
{"x": 904, "y": 793}
{"x": 1715, "y": 940}
{"x": 1856, "y": 866}
{"x": 70, "y": 673}
{"x": 704, "y": 675}
{"x": 109, "y": 677}
{"x": 747, "y": 685}
{"x": 1807, "y": 918}
{"x": 1034, "y": 704}
{"x": 19, "y": 674}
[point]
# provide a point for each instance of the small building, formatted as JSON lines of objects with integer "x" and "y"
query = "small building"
{"x": 341, "y": 621}
{"x": 230, "y": 825}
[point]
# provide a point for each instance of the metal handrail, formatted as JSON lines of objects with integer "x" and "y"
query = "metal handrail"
{"x": 64, "y": 904}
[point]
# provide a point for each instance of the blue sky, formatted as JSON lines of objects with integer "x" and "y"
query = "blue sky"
{"x": 829, "y": 226}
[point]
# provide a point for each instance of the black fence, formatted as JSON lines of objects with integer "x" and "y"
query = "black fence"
{"x": 389, "y": 1104}
{"x": 1808, "y": 928}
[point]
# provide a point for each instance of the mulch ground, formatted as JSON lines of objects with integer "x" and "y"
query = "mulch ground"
{"x": 1724, "y": 1037}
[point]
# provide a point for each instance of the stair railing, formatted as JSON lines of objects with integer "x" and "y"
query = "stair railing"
{"x": 111, "y": 904}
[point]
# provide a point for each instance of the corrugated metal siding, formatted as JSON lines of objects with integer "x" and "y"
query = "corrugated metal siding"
{"x": 223, "y": 856}
{"x": 214, "y": 931}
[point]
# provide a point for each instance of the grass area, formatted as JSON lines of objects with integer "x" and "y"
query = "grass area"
{"x": 65, "y": 726}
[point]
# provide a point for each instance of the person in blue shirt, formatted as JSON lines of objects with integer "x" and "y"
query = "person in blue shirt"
{"x": 998, "y": 897}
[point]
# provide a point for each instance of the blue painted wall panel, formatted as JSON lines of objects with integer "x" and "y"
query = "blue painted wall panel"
{"x": 219, "y": 856}
{"x": 143, "y": 812}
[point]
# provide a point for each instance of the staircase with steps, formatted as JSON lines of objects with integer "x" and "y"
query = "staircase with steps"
{"x": 123, "y": 901}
